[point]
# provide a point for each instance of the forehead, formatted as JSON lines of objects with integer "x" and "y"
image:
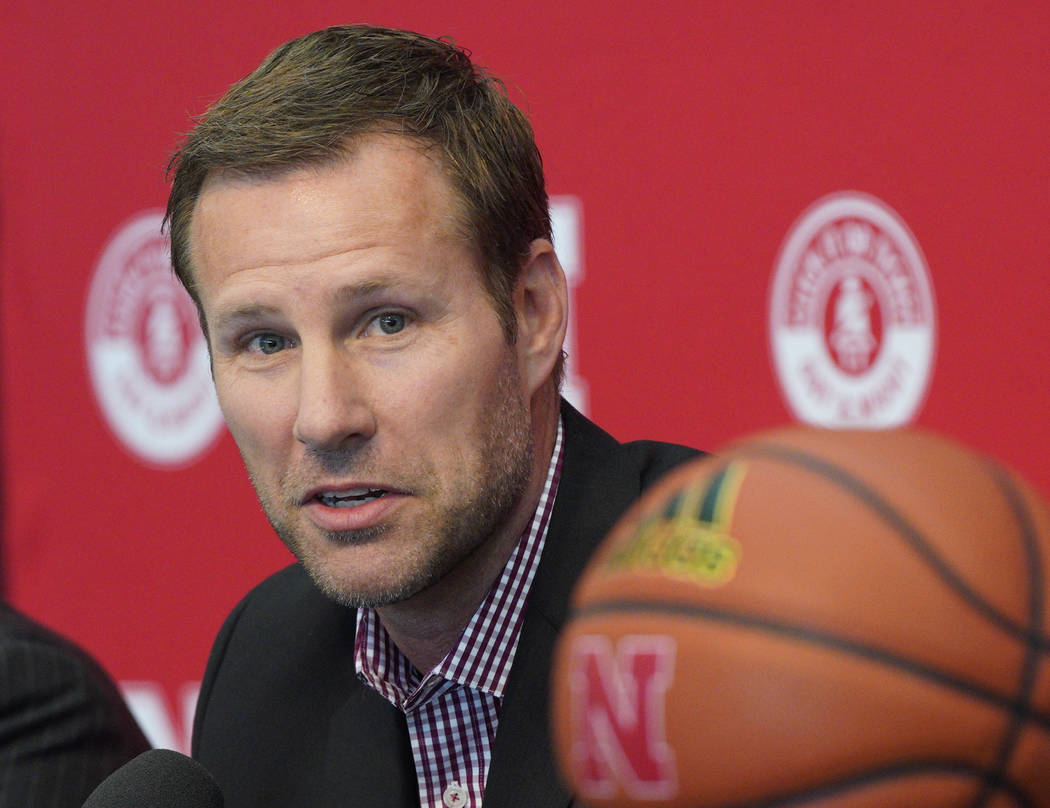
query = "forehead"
{"x": 387, "y": 191}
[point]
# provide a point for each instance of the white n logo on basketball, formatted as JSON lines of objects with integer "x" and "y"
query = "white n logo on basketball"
{"x": 618, "y": 727}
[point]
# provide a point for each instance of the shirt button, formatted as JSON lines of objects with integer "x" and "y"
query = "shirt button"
{"x": 455, "y": 796}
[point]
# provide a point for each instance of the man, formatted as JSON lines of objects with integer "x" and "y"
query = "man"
{"x": 363, "y": 225}
{"x": 63, "y": 725}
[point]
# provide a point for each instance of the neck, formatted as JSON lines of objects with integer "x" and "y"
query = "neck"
{"x": 426, "y": 626}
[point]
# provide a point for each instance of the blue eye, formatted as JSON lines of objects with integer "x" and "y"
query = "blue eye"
{"x": 391, "y": 322}
{"x": 267, "y": 343}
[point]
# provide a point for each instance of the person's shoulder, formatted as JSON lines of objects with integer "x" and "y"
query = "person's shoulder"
{"x": 66, "y": 726}
{"x": 656, "y": 458}
{"x": 283, "y": 633}
{"x": 282, "y": 610}
{"x": 291, "y": 581}
{"x": 651, "y": 459}
{"x": 16, "y": 626}
{"x": 286, "y": 598}
{"x": 34, "y": 655}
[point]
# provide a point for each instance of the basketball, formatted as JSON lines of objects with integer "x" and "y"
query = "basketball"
{"x": 814, "y": 618}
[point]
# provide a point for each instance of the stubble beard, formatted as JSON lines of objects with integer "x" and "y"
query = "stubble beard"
{"x": 504, "y": 457}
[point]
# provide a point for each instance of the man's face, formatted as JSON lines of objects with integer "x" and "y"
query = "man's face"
{"x": 361, "y": 367}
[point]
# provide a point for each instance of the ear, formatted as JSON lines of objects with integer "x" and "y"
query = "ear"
{"x": 541, "y": 303}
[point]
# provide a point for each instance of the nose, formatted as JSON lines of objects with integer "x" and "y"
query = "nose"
{"x": 334, "y": 411}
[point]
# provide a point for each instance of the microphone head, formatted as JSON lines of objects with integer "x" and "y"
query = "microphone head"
{"x": 159, "y": 778}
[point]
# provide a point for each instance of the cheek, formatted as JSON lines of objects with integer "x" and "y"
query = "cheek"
{"x": 255, "y": 420}
{"x": 450, "y": 395}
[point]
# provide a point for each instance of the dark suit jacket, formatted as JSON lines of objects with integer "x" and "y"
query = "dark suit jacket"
{"x": 63, "y": 725}
{"x": 283, "y": 721}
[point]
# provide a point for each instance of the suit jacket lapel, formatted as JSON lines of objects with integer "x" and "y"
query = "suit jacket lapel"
{"x": 368, "y": 757}
{"x": 593, "y": 491}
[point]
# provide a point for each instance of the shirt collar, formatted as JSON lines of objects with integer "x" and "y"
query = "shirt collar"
{"x": 481, "y": 659}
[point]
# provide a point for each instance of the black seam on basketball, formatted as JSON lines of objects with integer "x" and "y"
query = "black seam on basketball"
{"x": 909, "y": 532}
{"x": 896, "y": 771}
{"x": 1032, "y": 636}
{"x": 820, "y": 638}
{"x": 1032, "y": 660}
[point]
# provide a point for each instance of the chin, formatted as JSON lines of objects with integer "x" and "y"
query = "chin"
{"x": 347, "y": 590}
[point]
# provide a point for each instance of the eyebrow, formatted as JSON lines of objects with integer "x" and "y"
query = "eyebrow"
{"x": 232, "y": 317}
{"x": 367, "y": 288}
{"x": 347, "y": 293}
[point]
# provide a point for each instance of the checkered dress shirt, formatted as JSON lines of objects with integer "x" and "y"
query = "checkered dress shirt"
{"x": 453, "y": 711}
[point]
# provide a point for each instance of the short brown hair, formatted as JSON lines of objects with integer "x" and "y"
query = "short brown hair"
{"x": 312, "y": 96}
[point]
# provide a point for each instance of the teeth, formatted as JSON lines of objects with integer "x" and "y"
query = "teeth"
{"x": 350, "y": 498}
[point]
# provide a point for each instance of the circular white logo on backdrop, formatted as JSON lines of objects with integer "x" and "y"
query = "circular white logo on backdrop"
{"x": 852, "y": 315}
{"x": 146, "y": 354}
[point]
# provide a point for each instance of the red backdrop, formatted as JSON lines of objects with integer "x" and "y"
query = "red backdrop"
{"x": 688, "y": 136}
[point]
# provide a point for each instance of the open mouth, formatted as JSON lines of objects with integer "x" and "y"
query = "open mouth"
{"x": 351, "y": 498}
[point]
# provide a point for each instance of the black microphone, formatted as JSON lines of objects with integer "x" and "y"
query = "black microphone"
{"x": 159, "y": 778}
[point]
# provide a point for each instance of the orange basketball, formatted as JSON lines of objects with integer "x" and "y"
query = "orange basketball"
{"x": 815, "y": 618}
